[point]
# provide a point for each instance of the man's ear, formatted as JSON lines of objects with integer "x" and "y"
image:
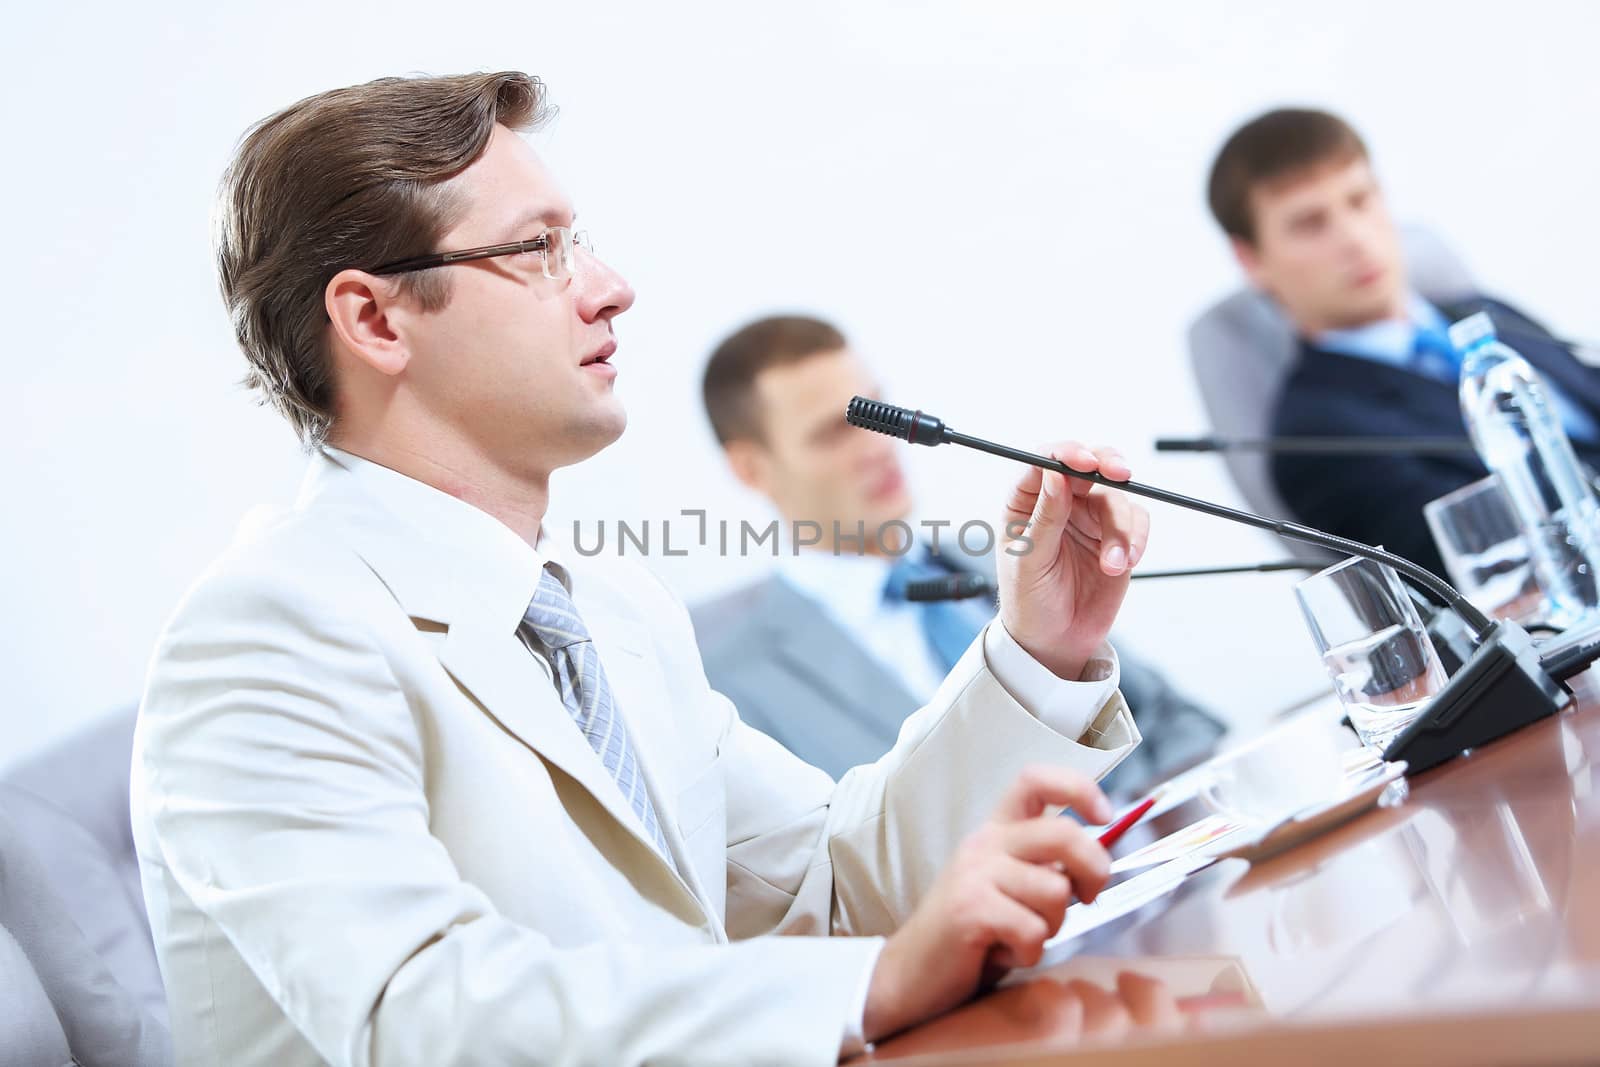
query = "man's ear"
{"x": 1249, "y": 260}
{"x": 362, "y": 309}
{"x": 751, "y": 464}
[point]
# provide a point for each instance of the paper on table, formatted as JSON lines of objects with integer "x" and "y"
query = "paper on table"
{"x": 1256, "y": 813}
{"x": 1117, "y": 901}
{"x": 1200, "y": 779}
{"x": 1208, "y": 837}
{"x": 1365, "y": 782}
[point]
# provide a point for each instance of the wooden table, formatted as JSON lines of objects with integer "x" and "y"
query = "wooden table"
{"x": 1460, "y": 926}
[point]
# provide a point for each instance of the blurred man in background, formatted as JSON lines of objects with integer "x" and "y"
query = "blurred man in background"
{"x": 1295, "y": 192}
{"x": 827, "y": 655}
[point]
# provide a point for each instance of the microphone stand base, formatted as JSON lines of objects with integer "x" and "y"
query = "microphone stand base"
{"x": 1452, "y": 640}
{"x": 1501, "y": 689}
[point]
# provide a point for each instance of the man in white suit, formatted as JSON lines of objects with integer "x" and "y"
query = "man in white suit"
{"x": 414, "y": 784}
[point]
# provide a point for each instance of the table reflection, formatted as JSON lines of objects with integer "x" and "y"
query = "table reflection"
{"x": 1470, "y": 903}
{"x": 1090, "y": 1001}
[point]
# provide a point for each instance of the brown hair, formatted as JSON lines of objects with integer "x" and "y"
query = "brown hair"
{"x": 1273, "y": 146}
{"x": 347, "y": 178}
{"x": 728, "y": 387}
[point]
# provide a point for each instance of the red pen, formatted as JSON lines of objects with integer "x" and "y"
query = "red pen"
{"x": 1110, "y": 835}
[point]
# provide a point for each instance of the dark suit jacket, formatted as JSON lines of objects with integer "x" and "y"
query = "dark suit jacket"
{"x": 1379, "y": 499}
{"x": 797, "y": 676}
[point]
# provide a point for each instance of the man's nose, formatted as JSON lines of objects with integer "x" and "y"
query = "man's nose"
{"x": 605, "y": 293}
{"x": 878, "y": 450}
{"x": 1356, "y": 232}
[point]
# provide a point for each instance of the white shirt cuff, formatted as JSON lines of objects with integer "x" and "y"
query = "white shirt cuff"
{"x": 855, "y": 1027}
{"x": 1065, "y": 707}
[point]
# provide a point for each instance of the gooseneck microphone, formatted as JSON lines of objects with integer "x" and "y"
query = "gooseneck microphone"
{"x": 1322, "y": 446}
{"x": 1233, "y": 568}
{"x": 920, "y": 428}
{"x": 1503, "y": 686}
{"x": 965, "y": 586}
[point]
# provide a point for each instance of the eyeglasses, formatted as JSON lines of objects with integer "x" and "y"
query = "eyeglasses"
{"x": 556, "y": 249}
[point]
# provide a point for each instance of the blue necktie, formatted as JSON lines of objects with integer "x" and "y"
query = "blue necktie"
{"x": 949, "y": 626}
{"x": 552, "y": 620}
{"x": 1433, "y": 356}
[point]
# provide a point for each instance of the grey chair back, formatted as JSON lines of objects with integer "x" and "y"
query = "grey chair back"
{"x": 1242, "y": 348}
{"x": 102, "y": 1021}
{"x": 30, "y": 1030}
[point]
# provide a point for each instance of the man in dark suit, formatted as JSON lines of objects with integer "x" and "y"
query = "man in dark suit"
{"x": 1295, "y": 192}
{"x": 826, "y": 655}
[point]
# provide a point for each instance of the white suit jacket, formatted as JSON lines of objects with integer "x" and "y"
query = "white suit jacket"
{"x": 369, "y": 832}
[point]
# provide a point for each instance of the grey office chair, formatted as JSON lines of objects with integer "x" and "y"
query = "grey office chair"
{"x": 60, "y": 1002}
{"x": 30, "y": 1031}
{"x": 1242, "y": 348}
{"x": 84, "y": 778}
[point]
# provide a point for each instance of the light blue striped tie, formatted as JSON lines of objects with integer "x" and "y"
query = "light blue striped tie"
{"x": 552, "y": 619}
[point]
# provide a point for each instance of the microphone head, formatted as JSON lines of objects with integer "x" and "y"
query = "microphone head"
{"x": 895, "y": 421}
{"x": 1188, "y": 444}
{"x": 949, "y": 587}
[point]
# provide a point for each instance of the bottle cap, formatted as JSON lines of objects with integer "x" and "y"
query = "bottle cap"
{"x": 1472, "y": 331}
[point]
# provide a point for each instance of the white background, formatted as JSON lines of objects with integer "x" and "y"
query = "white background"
{"x": 1000, "y": 201}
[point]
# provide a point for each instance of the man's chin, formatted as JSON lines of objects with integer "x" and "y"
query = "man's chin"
{"x": 609, "y": 427}
{"x": 1373, "y": 303}
{"x": 895, "y": 509}
{"x": 592, "y": 435}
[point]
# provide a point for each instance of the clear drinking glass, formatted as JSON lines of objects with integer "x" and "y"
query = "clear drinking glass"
{"x": 1485, "y": 553}
{"x": 1373, "y": 644}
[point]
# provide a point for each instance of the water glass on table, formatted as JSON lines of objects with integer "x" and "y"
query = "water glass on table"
{"x": 1485, "y": 553}
{"x": 1373, "y": 644}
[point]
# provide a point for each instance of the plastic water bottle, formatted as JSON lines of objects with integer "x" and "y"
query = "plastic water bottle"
{"x": 1518, "y": 435}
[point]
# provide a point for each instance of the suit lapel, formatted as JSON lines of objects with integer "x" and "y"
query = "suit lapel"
{"x": 1431, "y": 403}
{"x": 642, "y": 697}
{"x": 483, "y": 653}
{"x": 508, "y": 683}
